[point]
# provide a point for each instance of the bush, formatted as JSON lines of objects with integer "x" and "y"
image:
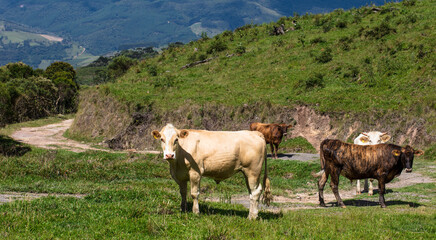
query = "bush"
{"x": 325, "y": 57}
{"x": 216, "y": 46}
{"x": 317, "y": 40}
{"x": 240, "y": 49}
{"x": 119, "y": 66}
{"x": 19, "y": 70}
{"x": 60, "y": 67}
{"x": 379, "y": 31}
{"x": 164, "y": 81}
{"x": 341, "y": 24}
{"x": 314, "y": 81}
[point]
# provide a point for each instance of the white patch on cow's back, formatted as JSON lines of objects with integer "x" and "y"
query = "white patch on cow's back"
{"x": 374, "y": 138}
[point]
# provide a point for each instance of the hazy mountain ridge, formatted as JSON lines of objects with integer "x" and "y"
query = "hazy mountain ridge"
{"x": 162, "y": 21}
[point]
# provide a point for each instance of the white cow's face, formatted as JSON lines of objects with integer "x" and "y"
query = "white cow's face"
{"x": 372, "y": 138}
{"x": 169, "y": 137}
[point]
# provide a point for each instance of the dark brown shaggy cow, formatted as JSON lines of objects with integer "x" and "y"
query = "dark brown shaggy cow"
{"x": 272, "y": 132}
{"x": 382, "y": 162}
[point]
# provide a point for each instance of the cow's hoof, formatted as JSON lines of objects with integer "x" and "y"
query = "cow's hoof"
{"x": 370, "y": 193}
{"x": 342, "y": 205}
{"x": 358, "y": 193}
{"x": 383, "y": 206}
{"x": 322, "y": 204}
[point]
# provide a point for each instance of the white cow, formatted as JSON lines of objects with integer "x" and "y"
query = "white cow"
{"x": 370, "y": 138}
{"x": 193, "y": 154}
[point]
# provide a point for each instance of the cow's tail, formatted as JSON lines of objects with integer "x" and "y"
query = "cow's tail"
{"x": 267, "y": 196}
{"x": 322, "y": 161}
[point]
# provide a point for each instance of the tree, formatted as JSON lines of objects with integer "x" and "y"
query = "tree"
{"x": 60, "y": 67}
{"x": 119, "y": 66}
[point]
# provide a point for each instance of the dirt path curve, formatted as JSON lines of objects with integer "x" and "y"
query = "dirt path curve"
{"x": 51, "y": 137}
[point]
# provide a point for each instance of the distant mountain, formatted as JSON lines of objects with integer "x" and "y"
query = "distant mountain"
{"x": 102, "y": 26}
{"x": 21, "y": 43}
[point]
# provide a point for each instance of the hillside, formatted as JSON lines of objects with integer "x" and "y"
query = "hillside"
{"x": 130, "y": 23}
{"x": 335, "y": 74}
{"x": 37, "y": 48}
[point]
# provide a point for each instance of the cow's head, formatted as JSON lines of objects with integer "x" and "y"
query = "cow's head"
{"x": 169, "y": 137}
{"x": 372, "y": 138}
{"x": 284, "y": 128}
{"x": 406, "y": 155}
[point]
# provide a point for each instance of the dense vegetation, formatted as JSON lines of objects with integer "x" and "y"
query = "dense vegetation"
{"x": 27, "y": 94}
{"x": 108, "y": 68}
{"x": 103, "y": 26}
{"x": 367, "y": 60}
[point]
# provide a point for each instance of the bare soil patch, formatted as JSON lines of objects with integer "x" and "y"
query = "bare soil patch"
{"x": 13, "y": 196}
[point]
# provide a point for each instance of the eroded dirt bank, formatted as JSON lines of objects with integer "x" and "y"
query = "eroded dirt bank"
{"x": 124, "y": 127}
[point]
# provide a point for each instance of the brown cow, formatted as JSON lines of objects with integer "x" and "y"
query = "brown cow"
{"x": 382, "y": 162}
{"x": 272, "y": 132}
{"x": 193, "y": 154}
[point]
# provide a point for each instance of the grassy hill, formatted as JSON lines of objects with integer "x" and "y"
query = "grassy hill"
{"x": 20, "y": 43}
{"x": 373, "y": 66}
{"x": 105, "y": 26}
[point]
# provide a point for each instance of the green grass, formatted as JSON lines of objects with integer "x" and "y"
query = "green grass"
{"x": 368, "y": 74}
{"x": 133, "y": 196}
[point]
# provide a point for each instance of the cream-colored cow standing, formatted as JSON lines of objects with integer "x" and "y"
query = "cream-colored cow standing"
{"x": 193, "y": 154}
{"x": 370, "y": 138}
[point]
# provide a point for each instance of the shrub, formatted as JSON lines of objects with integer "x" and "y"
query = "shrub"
{"x": 316, "y": 80}
{"x": 379, "y": 31}
{"x": 119, "y": 66}
{"x": 341, "y": 24}
{"x": 164, "y": 81}
{"x": 216, "y": 46}
{"x": 240, "y": 49}
{"x": 317, "y": 40}
{"x": 325, "y": 57}
{"x": 409, "y": 3}
{"x": 152, "y": 69}
{"x": 60, "y": 67}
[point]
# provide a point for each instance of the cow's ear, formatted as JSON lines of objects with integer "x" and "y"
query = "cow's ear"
{"x": 364, "y": 139}
{"x": 155, "y": 134}
{"x": 418, "y": 152}
{"x": 183, "y": 134}
{"x": 384, "y": 138}
{"x": 396, "y": 152}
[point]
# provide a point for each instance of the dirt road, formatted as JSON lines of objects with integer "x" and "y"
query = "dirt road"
{"x": 51, "y": 137}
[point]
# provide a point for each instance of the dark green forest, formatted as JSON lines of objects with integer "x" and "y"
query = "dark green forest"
{"x": 27, "y": 93}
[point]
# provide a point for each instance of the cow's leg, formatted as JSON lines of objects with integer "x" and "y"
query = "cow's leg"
{"x": 272, "y": 150}
{"x": 276, "y": 149}
{"x": 183, "y": 186}
{"x": 381, "y": 189}
{"x": 371, "y": 187}
{"x": 255, "y": 190}
{"x": 358, "y": 187}
{"x": 321, "y": 183}
{"x": 195, "y": 178}
{"x": 334, "y": 182}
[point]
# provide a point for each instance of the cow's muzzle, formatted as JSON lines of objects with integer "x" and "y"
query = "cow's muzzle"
{"x": 408, "y": 170}
{"x": 169, "y": 156}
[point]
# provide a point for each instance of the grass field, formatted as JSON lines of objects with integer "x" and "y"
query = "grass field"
{"x": 132, "y": 196}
